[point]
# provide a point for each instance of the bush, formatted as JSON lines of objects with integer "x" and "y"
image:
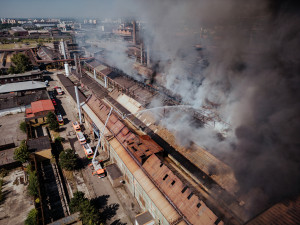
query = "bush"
{"x": 59, "y": 139}
{"x": 3, "y": 172}
{"x": 68, "y": 159}
{"x": 52, "y": 121}
{"x": 21, "y": 153}
{"x": 31, "y": 217}
{"x": 33, "y": 184}
{"x": 23, "y": 126}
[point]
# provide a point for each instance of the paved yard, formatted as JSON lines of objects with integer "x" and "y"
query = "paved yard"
{"x": 9, "y": 128}
{"x": 17, "y": 203}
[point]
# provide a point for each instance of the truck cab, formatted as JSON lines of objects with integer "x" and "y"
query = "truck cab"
{"x": 76, "y": 126}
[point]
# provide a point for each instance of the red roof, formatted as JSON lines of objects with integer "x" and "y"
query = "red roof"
{"x": 42, "y": 105}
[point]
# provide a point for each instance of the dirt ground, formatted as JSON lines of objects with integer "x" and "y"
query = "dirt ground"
{"x": 9, "y": 128}
{"x": 17, "y": 203}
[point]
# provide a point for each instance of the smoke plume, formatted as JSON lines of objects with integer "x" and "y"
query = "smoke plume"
{"x": 248, "y": 67}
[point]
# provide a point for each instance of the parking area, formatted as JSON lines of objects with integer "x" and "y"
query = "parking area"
{"x": 17, "y": 203}
{"x": 111, "y": 201}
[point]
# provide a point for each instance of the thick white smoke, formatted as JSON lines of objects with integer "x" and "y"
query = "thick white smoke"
{"x": 252, "y": 74}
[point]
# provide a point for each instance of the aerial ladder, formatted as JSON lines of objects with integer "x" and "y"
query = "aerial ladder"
{"x": 96, "y": 165}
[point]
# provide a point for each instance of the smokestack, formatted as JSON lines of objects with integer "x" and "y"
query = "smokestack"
{"x": 142, "y": 53}
{"x": 78, "y": 103}
{"x": 134, "y": 33}
{"x": 75, "y": 62}
{"x": 67, "y": 69}
{"x": 105, "y": 81}
{"x": 148, "y": 55}
{"x": 62, "y": 46}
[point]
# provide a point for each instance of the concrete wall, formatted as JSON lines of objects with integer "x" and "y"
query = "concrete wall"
{"x": 15, "y": 110}
{"x": 136, "y": 190}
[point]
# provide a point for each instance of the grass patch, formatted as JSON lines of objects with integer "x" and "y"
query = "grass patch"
{"x": 69, "y": 175}
{"x": 7, "y": 46}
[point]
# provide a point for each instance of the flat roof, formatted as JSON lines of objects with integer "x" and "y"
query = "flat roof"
{"x": 7, "y": 157}
{"x": 114, "y": 171}
{"x": 29, "y": 73}
{"x": 21, "y": 86}
{"x": 39, "y": 144}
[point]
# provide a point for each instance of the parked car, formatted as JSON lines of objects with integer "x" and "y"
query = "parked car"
{"x": 54, "y": 102}
{"x": 60, "y": 119}
{"x": 59, "y": 91}
{"x": 51, "y": 94}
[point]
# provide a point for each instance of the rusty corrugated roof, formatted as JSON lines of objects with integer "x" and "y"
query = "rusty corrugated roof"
{"x": 194, "y": 209}
{"x": 286, "y": 212}
{"x": 42, "y": 105}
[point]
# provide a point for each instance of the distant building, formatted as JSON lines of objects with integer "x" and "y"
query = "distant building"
{"x": 18, "y": 31}
{"x": 47, "y": 54}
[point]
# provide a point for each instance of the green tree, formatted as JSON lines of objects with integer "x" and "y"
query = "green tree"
{"x": 21, "y": 153}
{"x": 89, "y": 214}
{"x": 76, "y": 201}
{"x": 23, "y": 127}
{"x": 33, "y": 184}
{"x": 22, "y": 63}
{"x": 68, "y": 159}
{"x": 52, "y": 121}
{"x": 31, "y": 217}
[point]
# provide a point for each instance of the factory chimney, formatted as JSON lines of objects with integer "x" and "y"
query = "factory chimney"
{"x": 148, "y": 56}
{"x": 134, "y": 33}
{"x": 142, "y": 53}
{"x": 67, "y": 69}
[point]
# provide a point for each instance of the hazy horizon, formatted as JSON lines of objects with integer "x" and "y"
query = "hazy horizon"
{"x": 58, "y": 9}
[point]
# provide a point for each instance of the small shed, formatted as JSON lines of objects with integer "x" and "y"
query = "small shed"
{"x": 114, "y": 175}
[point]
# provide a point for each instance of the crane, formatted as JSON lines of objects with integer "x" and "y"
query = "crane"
{"x": 98, "y": 170}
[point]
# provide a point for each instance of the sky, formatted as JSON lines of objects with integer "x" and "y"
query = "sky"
{"x": 57, "y": 8}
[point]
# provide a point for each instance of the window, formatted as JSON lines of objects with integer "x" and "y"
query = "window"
{"x": 134, "y": 149}
{"x": 184, "y": 189}
{"x": 140, "y": 144}
{"x": 161, "y": 164}
{"x": 173, "y": 182}
{"x": 198, "y": 205}
{"x": 189, "y": 197}
{"x": 165, "y": 177}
